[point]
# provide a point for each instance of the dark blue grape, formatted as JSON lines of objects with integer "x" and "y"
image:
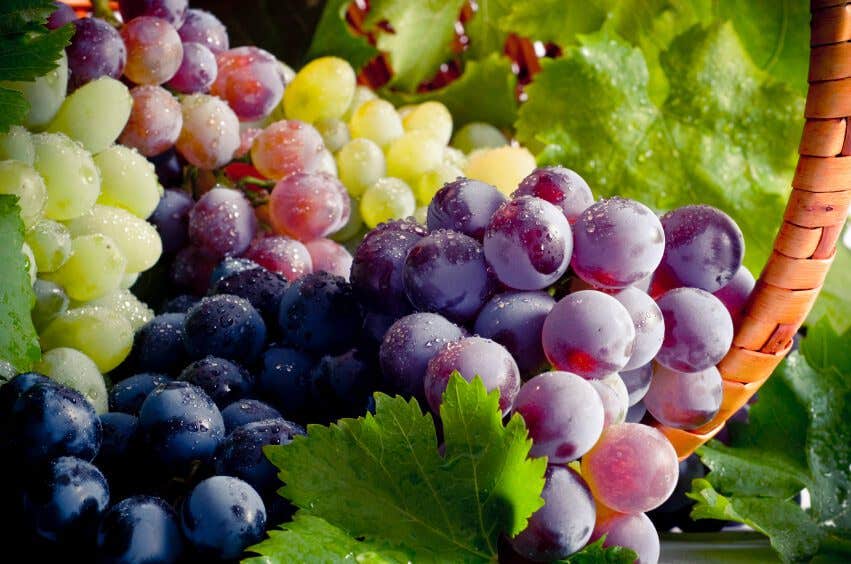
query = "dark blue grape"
{"x": 228, "y": 266}
{"x": 128, "y": 395}
{"x": 222, "y": 517}
{"x": 181, "y": 304}
{"x": 284, "y": 380}
{"x": 241, "y": 454}
{"x": 168, "y": 167}
{"x": 158, "y": 346}
{"x": 375, "y": 327}
{"x": 225, "y": 326}
{"x": 222, "y": 380}
{"x": 171, "y": 218}
{"x": 261, "y": 287}
{"x": 464, "y": 205}
{"x": 120, "y": 436}
{"x": 378, "y": 267}
{"x": 139, "y": 530}
{"x": 340, "y": 386}
{"x": 15, "y": 388}
{"x": 243, "y": 412}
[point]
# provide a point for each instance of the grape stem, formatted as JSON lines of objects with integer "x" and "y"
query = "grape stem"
{"x": 102, "y": 10}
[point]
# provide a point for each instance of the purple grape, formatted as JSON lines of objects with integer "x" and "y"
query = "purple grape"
{"x": 698, "y": 330}
{"x": 228, "y": 266}
{"x": 224, "y": 381}
{"x": 634, "y": 531}
{"x": 225, "y": 326}
{"x": 378, "y": 269}
{"x": 446, "y": 272}
{"x": 684, "y": 401}
{"x": 588, "y": 333}
{"x": 564, "y": 415}
{"x": 636, "y": 413}
{"x": 222, "y": 222}
{"x": 243, "y": 412}
{"x": 515, "y": 320}
{"x": 471, "y": 357}
{"x": 96, "y": 50}
{"x": 191, "y": 270}
{"x": 408, "y": 346}
{"x": 407, "y": 225}
{"x": 617, "y": 242}
{"x": 375, "y": 327}
{"x": 565, "y": 522}
{"x": 615, "y": 398}
{"x": 62, "y": 15}
{"x": 259, "y": 286}
{"x": 168, "y": 167}
{"x": 559, "y": 186}
{"x": 171, "y": 218}
{"x": 154, "y": 50}
{"x": 172, "y": 11}
{"x": 197, "y": 70}
{"x": 735, "y": 293}
{"x": 155, "y": 121}
{"x": 703, "y": 247}
{"x": 464, "y": 205}
{"x": 205, "y": 28}
{"x": 637, "y": 382}
{"x": 528, "y": 243}
{"x": 128, "y": 395}
{"x": 649, "y": 326}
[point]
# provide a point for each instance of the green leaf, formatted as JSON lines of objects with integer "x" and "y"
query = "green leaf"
{"x": 13, "y": 108}
{"x": 15, "y": 14}
{"x": 833, "y": 303}
{"x": 486, "y": 29}
{"x": 557, "y": 21}
{"x": 18, "y": 340}
{"x": 380, "y": 478}
{"x": 28, "y": 55}
{"x": 596, "y": 553}
{"x": 333, "y": 36}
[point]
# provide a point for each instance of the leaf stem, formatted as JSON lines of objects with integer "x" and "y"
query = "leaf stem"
{"x": 102, "y": 10}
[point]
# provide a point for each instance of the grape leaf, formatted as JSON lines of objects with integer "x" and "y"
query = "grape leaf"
{"x": 334, "y": 37}
{"x": 486, "y": 29}
{"x": 596, "y": 553}
{"x": 557, "y": 21}
{"x": 15, "y": 14}
{"x": 380, "y": 478}
{"x": 833, "y": 303}
{"x": 18, "y": 340}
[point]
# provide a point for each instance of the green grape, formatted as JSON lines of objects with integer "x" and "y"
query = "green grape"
{"x": 360, "y": 164}
{"x": 17, "y": 145}
{"x": 323, "y": 89}
{"x": 389, "y": 198}
{"x": 326, "y": 163}
{"x": 412, "y": 155}
{"x": 137, "y": 239}
{"x": 334, "y": 132}
{"x": 431, "y": 117}
{"x": 129, "y": 279}
{"x": 478, "y": 135}
{"x": 50, "y": 301}
{"x": 421, "y": 215}
{"x": 95, "y": 114}
{"x": 362, "y": 94}
{"x": 102, "y": 334}
{"x": 128, "y": 181}
{"x": 21, "y": 180}
{"x": 353, "y": 226}
{"x": 123, "y": 302}
{"x": 95, "y": 268}
{"x": 429, "y": 183}
{"x": 32, "y": 266}
{"x": 405, "y": 110}
{"x": 50, "y": 242}
{"x": 378, "y": 121}
{"x": 454, "y": 157}
{"x": 44, "y": 95}
{"x": 74, "y": 369}
{"x": 69, "y": 173}
{"x": 503, "y": 167}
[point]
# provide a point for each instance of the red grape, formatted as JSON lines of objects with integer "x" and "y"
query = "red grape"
{"x": 155, "y": 121}
{"x": 307, "y": 206}
{"x": 250, "y": 80}
{"x": 280, "y": 254}
{"x": 154, "y": 50}
{"x": 285, "y": 147}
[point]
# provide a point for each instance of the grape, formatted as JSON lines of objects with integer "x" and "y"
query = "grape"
{"x": 361, "y": 164}
{"x": 377, "y": 121}
{"x": 503, "y": 167}
{"x": 478, "y": 135}
{"x": 284, "y": 379}
{"x": 154, "y": 50}
{"x": 636, "y": 413}
{"x": 464, "y": 205}
{"x": 95, "y": 268}
{"x": 559, "y": 186}
{"x": 472, "y": 357}
{"x": 168, "y": 166}
{"x": 222, "y": 517}
{"x": 564, "y": 415}
{"x": 528, "y": 243}
{"x": 70, "y": 176}
{"x": 389, "y": 198}
{"x": 432, "y": 118}
{"x": 105, "y": 100}
{"x": 632, "y": 468}
{"x": 589, "y": 333}
{"x": 350, "y": 231}
{"x": 341, "y": 386}
{"x": 128, "y": 181}
{"x": 241, "y": 454}
{"x": 48, "y": 421}
{"x": 306, "y": 206}
{"x": 322, "y": 89}
{"x": 565, "y": 522}
{"x": 249, "y": 80}
{"x": 429, "y": 183}
{"x": 735, "y": 293}
{"x": 171, "y": 218}
{"x": 229, "y": 266}
{"x": 120, "y": 435}
{"x": 286, "y": 147}
{"x": 280, "y": 254}
{"x": 243, "y": 412}
{"x": 222, "y": 222}
{"x": 649, "y": 325}
{"x": 412, "y": 155}
{"x": 698, "y": 330}
{"x": 615, "y": 398}
{"x": 65, "y": 500}
{"x": 334, "y": 132}
{"x": 129, "y": 280}
{"x": 22, "y": 181}
{"x": 96, "y": 50}
{"x": 375, "y": 327}
{"x": 172, "y": 11}
{"x": 454, "y": 157}
{"x": 684, "y": 401}
{"x": 50, "y": 301}
{"x": 180, "y": 425}
{"x": 210, "y": 134}
{"x": 50, "y": 242}
{"x": 13, "y": 389}
{"x": 203, "y": 27}
{"x": 44, "y": 95}
{"x": 191, "y": 270}
{"x": 637, "y": 382}
{"x": 197, "y": 71}
{"x": 140, "y": 529}
{"x": 362, "y": 95}
{"x": 155, "y": 121}
{"x": 222, "y": 380}
{"x": 703, "y": 247}
{"x": 16, "y": 144}
{"x": 136, "y": 239}
{"x": 262, "y": 288}
{"x": 74, "y": 369}
{"x": 408, "y": 346}
{"x": 180, "y": 304}
{"x": 62, "y": 15}
{"x": 102, "y": 334}
{"x": 124, "y": 303}
{"x": 328, "y": 256}
{"x": 128, "y": 395}
{"x": 634, "y": 531}
{"x": 225, "y": 326}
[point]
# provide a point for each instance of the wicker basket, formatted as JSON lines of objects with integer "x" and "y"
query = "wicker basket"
{"x": 806, "y": 242}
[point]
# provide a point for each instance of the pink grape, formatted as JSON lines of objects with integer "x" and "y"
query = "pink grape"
{"x": 173, "y": 11}
{"x": 635, "y": 531}
{"x": 96, "y": 50}
{"x": 559, "y": 186}
{"x": 210, "y": 133}
{"x": 154, "y": 50}
{"x": 615, "y": 398}
{"x": 246, "y": 140}
{"x": 222, "y": 223}
{"x": 280, "y": 254}
{"x": 681, "y": 400}
{"x": 155, "y": 121}
{"x": 637, "y": 382}
{"x": 192, "y": 268}
{"x": 649, "y": 325}
{"x": 197, "y": 70}
{"x": 250, "y": 80}
{"x": 564, "y": 415}
{"x": 306, "y": 206}
{"x": 285, "y": 147}
{"x": 735, "y": 293}
{"x": 330, "y": 256}
{"x": 633, "y": 468}
{"x": 204, "y": 28}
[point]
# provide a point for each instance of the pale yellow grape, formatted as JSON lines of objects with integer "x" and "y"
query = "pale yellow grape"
{"x": 362, "y": 94}
{"x": 323, "y": 89}
{"x": 70, "y": 175}
{"x": 326, "y": 163}
{"x": 129, "y": 279}
{"x": 433, "y": 118}
{"x": 137, "y": 239}
{"x": 95, "y": 114}
{"x": 104, "y": 335}
{"x": 50, "y": 242}
{"x": 128, "y": 181}
{"x": 421, "y": 215}
{"x": 429, "y": 183}
{"x": 389, "y": 198}
{"x": 360, "y": 164}
{"x": 354, "y": 225}
{"x": 405, "y": 110}
{"x": 17, "y": 144}
{"x": 94, "y": 268}
{"x": 123, "y": 302}
{"x": 32, "y": 266}
{"x": 21, "y": 180}
{"x": 334, "y": 132}
{"x": 44, "y": 95}
{"x": 412, "y": 155}
{"x": 378, "y": 121}
{"x": 74, "y": 369}
{"x": 287, "y": 72}
{"x": 454, "y": 157}
{"x": 503, "y": 167}
{"x": 478, "y": 135}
